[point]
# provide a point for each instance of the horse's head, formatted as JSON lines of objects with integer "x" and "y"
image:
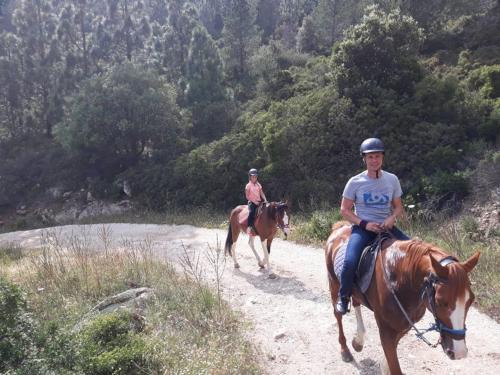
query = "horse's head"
{"x": 282, "y": 217}
{"x": 449, "y": 298}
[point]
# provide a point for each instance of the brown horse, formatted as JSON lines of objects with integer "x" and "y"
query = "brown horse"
{"x": 409, "y": 277}
{"x": 270, "y": 217}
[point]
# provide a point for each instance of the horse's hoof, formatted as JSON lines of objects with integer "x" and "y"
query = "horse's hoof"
{"x": 346, "y": 356}
{"x": 273, "y": 276}
{"x": 358, "y": 347}
{"x": 236, "y": 265}
{"x": 261, "y": 265}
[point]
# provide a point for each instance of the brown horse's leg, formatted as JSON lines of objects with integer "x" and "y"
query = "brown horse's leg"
{"x": 359, "y": 339}
{"x": 389, "y": 339}
{"x": 235, "y": 230}
{"x": 251, "y": 243}
{"x": 267, "y": 251}
{"x": 344, "y": 350}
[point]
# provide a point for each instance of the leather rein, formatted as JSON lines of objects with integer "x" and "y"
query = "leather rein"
{"x": 428, "y": 289}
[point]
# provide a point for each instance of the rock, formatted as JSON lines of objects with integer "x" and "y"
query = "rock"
{"x": 132, "y": 300}
{"x": 45, "y": 215}
{"x": 22, "y": 211}
{"x": 68, "y": 215}
{"x": 90, "y": 198}
{"x": 67, "y": 195}
{"x": 55, "y": 192}
{"x": 127, "y": 189}
{"x": 279, "y": 335}
{"x": 98, "y": 208}
{"x": 124, "y": 203}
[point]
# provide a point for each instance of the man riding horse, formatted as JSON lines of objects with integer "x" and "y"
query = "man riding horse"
{"x": 376, "y": 197}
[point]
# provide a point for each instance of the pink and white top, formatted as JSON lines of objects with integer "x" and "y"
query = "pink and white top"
{"x": 253, "y": 192}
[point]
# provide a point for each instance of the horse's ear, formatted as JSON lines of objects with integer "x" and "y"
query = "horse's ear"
{"x": 441, "y": 271}
{"x": 470, "y": 263}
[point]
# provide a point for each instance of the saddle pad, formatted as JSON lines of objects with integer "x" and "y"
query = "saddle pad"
{"x": 365, "y": 267}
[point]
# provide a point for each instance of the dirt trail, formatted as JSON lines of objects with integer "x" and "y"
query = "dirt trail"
{"x": 292, "y": 319}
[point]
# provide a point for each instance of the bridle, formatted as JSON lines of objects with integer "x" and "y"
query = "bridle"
{"x": 281, "y": 207}
{"x": 429, "y": 289}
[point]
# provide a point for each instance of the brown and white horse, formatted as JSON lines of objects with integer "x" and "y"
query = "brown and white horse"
{"x": 269, "y": 218}
{"x": 410, "y": 277}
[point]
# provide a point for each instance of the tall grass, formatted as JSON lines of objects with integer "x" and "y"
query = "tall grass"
{"x": 190, "y": 329}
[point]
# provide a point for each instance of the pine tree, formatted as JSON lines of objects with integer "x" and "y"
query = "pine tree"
{"x": 306, "y": 37}
{"x": 240, "y": 38}
{"x": 204, "y": 69}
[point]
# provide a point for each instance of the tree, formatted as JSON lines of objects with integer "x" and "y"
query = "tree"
{"x": 121, "y": 117}
{"x": 268, "y": 17}
{"x": 40, "y": 66}
{"x": 379, "y": 53}
{"x": 205, "y": 92}
{"x": 240, "y": 38}
{"x": 306, "y": 37}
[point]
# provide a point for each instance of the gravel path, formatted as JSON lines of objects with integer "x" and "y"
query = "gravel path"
{"x": 292, "y": 317}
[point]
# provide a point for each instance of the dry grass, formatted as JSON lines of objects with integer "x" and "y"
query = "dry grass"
{"x": 190, "y": 329}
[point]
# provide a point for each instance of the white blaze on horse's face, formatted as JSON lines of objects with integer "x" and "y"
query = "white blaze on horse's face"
{"x": 286, "y": 228}
{"x": 457, "y": 318}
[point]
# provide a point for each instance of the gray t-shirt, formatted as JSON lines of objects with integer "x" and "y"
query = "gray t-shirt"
{"x": 373, "y": 196}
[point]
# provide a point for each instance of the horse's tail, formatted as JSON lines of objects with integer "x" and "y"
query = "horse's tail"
{"x": 229, "y": 240}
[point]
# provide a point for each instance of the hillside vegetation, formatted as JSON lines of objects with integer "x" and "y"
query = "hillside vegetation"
{"x": 180, "y": 98}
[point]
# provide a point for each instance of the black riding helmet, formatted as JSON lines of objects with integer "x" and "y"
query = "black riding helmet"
{"x": 371, "y": 145}
{"x": 253, "y": 172}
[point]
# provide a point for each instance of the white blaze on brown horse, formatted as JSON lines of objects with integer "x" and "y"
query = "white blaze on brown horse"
{"x": 269, "y": 217}
{"x": 422, "y": 276}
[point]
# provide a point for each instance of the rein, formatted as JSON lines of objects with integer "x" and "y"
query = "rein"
{"x": 428, "y": 288}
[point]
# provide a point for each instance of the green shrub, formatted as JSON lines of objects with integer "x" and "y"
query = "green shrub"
{"x": 469, "y": 225}
{"x": 111, "y": 345}
{"x": 319, "y": 226}
{"x": 16, "y": 327}
{"x": 487, "y": 80}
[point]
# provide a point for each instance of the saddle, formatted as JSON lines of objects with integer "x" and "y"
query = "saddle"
{"x": 258, "y": 212}
{"x": 366, "y": 265}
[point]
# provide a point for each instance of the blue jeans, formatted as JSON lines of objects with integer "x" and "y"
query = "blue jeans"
{"x": 359, "y": 239}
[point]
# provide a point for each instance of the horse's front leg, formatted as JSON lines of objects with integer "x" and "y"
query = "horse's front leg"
{"x": 359, "y": 338}
{"x": 389, "y": 339}
{"x": 266, "y": 247}
{"x": 252, "y": 246}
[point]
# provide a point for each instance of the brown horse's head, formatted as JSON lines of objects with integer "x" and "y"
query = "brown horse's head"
{"x": 279, "y": 210}
{"x": 450, "y": 296}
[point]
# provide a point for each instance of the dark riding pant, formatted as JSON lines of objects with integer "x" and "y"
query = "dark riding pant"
{"x": 252, "y": 208}
{"x": 360, "y": 238}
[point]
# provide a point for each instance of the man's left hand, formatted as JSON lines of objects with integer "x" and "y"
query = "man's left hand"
{"x": 389, "y": 222}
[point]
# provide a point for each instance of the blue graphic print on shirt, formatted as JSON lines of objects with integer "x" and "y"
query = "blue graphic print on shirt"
{"x": 375, "y": 199}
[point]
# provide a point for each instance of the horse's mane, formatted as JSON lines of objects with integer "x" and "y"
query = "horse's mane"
{"x": 340, "y": 224}
{"x": 416, "y": 250}
{"x": 271, "y": 209}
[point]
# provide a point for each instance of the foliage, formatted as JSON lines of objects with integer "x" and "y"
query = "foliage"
{"x": 319, "y": 226}
{"x": 16, "y": 327}
{"x": 120, "y": 118}
{"x": 182, "y": 97}
{"x": 378, "y": 54}
{"x": 110, "y": 345}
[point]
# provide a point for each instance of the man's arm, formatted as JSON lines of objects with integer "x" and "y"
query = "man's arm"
{"x": 347, "y": 213}
{"x": 397, "y": 211}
